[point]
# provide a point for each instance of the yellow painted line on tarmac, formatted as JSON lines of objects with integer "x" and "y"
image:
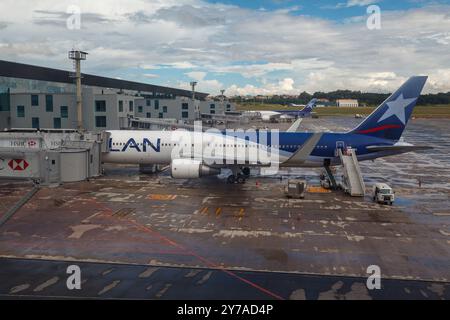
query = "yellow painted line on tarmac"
{"x": 318, "y": 190}
{"x": 241, "y": 214}
{"x": 162, "y": 196}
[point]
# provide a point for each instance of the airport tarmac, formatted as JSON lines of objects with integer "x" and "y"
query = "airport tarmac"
{"x": 149, "y": 236}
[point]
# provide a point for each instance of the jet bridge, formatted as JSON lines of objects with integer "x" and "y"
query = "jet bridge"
{"x": 50, "y": 156}
{"x": 352, "y": 182}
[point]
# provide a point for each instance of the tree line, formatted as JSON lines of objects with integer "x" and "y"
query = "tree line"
{"x": 364, "y": 98}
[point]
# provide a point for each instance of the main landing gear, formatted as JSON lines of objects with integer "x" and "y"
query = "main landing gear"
{"x": 239, "y": 177}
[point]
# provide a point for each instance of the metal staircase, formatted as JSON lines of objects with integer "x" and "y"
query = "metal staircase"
{"x": 353, "y": 182}
{"x": 330, "y": 176}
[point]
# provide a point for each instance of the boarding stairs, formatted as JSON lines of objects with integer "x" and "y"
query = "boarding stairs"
{"x": 353, "y": 182}
{"x": 332, "y": 181}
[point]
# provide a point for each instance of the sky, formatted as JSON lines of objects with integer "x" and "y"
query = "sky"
{"x": 244, "y": 47}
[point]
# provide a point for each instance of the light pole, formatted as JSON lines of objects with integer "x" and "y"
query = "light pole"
{"x": 196, "y": 109}
{"x": 77, "y": 56}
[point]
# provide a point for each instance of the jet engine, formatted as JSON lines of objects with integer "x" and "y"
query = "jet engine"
{"x": 190, "y": 168}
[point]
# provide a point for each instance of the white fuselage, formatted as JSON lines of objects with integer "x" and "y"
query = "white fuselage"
{"x": 161, "y": 147}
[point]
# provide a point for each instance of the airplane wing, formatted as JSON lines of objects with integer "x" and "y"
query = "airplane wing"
{"x": 398, "y": 148}
{"x": 294, "y": 127}
{"x": 231, "y": 159}
{"x": 302, "y": 154}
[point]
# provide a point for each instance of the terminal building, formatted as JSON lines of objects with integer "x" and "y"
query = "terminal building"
{"x": 39, "y": 97}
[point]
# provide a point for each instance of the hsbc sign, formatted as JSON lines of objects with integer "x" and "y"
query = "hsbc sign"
{"x": 22, "y": 143}
{"x": 18, "y": 164}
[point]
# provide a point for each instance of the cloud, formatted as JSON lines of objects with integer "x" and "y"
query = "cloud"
{"x": 360, "y": 3}
{"x": 211, "y": 86}
{"x": 196, "y": 75}
{"x": 59, "y": 18}
{"x": 284, "y": 86}
{"x": 244, "y": 50}
{"x": 150, "y": 75}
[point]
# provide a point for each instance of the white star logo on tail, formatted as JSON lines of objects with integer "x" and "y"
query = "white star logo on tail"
{"x": 397, "y": 108}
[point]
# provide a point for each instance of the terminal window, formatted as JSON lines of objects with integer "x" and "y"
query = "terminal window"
{"x": 156, "y": 104}
{"x": 185, "y": 114}
{"x": 64, "y": 112}
{"x": 4, "y": 101}
{"x": 148, "y": 102}
{"x": 34, "y": 100}
{"x": 140, "y": 109}
{"x": 212, "y": 106}
{"x": 161, "y": 115}
{"x": 149, "y": 115}
{"x": 120, "y": 105}
{"x": 20, "y": 111}
{"x": 57, "y": 123}
{"x": 100, "y": 106}
{"x": 185, "y": 106}
{"x": 131, "y": 106}
{"x": 49, "y": 103}
{"x": 100, "y": 121}
{"x": 35, "y": 123}
{"x": 164, "y": 109}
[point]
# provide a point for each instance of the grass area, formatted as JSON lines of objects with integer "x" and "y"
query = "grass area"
{"x": 434, "y": 111}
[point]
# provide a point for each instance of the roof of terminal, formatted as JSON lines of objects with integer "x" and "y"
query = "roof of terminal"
{"x": 26, "y": 71}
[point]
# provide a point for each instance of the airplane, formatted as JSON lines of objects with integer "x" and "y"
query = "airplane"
{"x": 276, "y": 114}
{"x": 297, "y": 105}
{"x": 206, "y": 153}
{"x": 304, "y": 112}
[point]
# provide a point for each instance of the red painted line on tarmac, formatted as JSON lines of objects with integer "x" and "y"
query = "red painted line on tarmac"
{"x": 206, "y": 261}
{"x": 203, "y": 259}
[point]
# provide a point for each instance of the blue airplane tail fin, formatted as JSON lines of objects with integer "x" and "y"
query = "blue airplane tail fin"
{"x": 311, "y": 104}
{"x": 391, "y": 117}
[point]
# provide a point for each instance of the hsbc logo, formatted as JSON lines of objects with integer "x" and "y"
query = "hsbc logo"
{"x": 18, "y": 164}
{"x": 32, "y": 143}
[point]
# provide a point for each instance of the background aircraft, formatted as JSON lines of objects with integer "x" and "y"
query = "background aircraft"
{"x": 277, "y": 114}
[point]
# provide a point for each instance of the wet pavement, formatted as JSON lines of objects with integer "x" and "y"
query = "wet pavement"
{"x": 47, "y": 279}
{"x": 240, "y": 241}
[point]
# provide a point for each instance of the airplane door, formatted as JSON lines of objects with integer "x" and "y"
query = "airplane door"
{"x": 339, "y": 145}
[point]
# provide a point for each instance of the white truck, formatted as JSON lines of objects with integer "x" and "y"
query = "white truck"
{"x": 382, "y": 193}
